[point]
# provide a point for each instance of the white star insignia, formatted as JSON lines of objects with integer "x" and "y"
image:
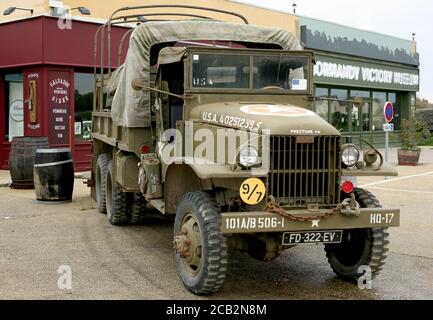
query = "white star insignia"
{"x": 315, "y": 223}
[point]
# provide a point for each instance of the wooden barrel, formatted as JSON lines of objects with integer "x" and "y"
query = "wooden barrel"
{"x": 54, "y": 175}
{"x": 22, "y": 159}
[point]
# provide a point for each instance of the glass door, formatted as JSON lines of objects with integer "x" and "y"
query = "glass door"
{"x": 14, "y": 106}
{"x": 360, "y": 114}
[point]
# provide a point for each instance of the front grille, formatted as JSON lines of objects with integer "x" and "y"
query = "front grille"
{"x": 304, "y": 174}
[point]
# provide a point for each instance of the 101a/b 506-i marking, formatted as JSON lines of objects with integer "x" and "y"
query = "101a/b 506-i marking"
{"x": 253, "y": 223}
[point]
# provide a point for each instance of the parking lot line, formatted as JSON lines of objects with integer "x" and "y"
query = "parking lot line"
{"x": 397, "y": 179}
{"x": 402, "y": 190}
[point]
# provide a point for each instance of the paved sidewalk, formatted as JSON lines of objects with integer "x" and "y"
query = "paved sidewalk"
{"x": 127, "y": 262}
{"x": 5, "y": 178}
{"x": 426, "y": 156}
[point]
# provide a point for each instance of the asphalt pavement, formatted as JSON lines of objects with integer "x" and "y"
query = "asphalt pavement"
{"x": 137, "y": 262}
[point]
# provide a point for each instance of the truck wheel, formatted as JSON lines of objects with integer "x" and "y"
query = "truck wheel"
{"x": 137, "y": 208}
{"x": 360, "y": 247}
{"x": 201, "y": 249}
{"x": 117, "y": 211}
{"x": 100, "y": 184}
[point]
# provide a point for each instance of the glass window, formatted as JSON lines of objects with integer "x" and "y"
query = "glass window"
{"x": 379, "y": 99}
{"x": 14, "y": 106}
{"x": 83, "y": 106}
{"x": 394, "y": 99}
{"x": 282, "y": 72}
{"x": 339, "y": 111}
{"x": 322, "y": 105}
{"x": 220, "y": 71}
{"x": 360, "y": 115}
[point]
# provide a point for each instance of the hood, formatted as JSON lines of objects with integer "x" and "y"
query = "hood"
{"x": 280, "y": 119}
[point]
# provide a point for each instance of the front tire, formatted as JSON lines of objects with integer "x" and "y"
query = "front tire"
{"x": 360, "y": 247}
{"x": 201, "y": 249}
{"x": 116, "y": 201}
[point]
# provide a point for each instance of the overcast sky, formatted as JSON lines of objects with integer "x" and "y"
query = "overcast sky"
{"x": 399, "y": 18}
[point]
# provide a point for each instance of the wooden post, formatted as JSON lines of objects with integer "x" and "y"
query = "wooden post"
{"x": 71, "y": 132}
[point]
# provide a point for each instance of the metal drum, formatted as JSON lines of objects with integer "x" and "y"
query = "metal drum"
{"x": 54, "y": 175}
{"x": 22, "y": 159}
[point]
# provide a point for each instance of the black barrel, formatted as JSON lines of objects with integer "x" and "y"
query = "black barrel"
{"x": 22, "y": 159}
{"x": 54, "y": 175}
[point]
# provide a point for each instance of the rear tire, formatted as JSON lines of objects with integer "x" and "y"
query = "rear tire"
{"x": 116, "y": 201}
{"x": 137, "y": 209}
{"x": 204, "y": 268}
{"x": 100, "y": 184}
{"x": 360, "y": 247}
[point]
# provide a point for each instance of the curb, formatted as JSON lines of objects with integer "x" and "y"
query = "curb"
{"x": 5, "y": 185}
{"x": 81, "y": 177}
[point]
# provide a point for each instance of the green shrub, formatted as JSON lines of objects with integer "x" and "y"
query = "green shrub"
{"x": 427, "y": 142}
{"x": 414, "y": 131}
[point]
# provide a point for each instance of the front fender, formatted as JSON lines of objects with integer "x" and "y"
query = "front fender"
{"x": 205, "y": 170}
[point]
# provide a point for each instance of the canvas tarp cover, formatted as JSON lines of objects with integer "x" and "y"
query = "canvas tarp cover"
{"x": 132, "y": 108}
{"x": 114, "y": 80}
{"x": 169, "y": 55}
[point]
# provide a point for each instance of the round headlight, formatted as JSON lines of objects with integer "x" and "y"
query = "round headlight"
{"x": 350, "y": 156}
{"x": 249, "y": 157}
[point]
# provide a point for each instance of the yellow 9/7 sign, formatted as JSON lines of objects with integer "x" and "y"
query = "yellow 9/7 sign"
{"x": 252, "y": 191}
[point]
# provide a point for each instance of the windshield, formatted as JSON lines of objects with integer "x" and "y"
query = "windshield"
{"x": 234, "y": 71}
{"x": 220, "y": 71}
{"x": 289, "y": 73}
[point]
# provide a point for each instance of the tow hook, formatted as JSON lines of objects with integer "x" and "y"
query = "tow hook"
{"x": 350, "y": 207}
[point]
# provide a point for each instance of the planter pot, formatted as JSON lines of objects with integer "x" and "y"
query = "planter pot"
{"x": 408, "y": 158}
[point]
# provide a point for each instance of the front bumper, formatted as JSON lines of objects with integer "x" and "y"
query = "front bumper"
{"x": 263, "y": 222}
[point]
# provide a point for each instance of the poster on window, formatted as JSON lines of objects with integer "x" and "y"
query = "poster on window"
{"x": 78, "y": 129}
{"x": 87, "y": 130}
{"x": 16, "y": 110}
{"x": 59, "y": 88}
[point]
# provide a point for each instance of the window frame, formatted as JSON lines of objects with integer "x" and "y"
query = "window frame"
{"x": 189, "y": 88}
{"x": 5, "y": 103}
{"x": 79, "y": 138}
{"x": 398, "y": 99}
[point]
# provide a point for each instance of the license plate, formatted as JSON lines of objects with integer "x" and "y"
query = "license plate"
{"x": 327, "y": 237}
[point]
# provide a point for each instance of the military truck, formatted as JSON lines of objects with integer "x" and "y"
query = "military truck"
{"x": 210, "y": 122}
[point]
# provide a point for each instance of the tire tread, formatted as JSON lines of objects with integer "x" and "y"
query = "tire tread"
{"x": 119, "y": 208}
{"x": 102, "y": 166}
{"x": 215, "y": 266}
{"x": 377, "y": 239}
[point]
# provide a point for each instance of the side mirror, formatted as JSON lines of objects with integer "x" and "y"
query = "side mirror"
{"x": 138, "y": 84}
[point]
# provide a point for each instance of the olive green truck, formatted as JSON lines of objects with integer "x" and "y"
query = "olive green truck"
{"x": 210, "y": 122}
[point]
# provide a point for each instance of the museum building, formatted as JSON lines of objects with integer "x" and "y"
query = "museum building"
{"x": 353, "y": 63}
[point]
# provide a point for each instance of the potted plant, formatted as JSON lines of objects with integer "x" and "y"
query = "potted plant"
{"x": 414, "y": 131}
